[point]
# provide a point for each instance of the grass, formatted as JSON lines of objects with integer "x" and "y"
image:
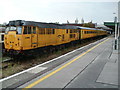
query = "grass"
{"x": 4, "y": 58}
{"x": 0, "y": 59}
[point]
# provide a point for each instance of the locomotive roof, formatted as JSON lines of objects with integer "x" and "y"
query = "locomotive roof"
{"x": 40, "y": 24}
{"x": 49, "y": 25}
{"x": 87, "y": 28}
{"x": 91, "y": 28}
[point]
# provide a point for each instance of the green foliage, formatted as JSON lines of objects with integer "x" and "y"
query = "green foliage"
{"x": 88, "y": 25}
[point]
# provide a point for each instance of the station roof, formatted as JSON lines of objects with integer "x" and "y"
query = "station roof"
{"x": 110, "y": 24}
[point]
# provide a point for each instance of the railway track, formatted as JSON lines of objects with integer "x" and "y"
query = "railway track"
{"x": 6, "y": 60}
{"x": 4, "y": 63}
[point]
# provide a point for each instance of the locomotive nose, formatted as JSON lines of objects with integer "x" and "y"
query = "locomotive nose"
{"x": 11, "y": 39}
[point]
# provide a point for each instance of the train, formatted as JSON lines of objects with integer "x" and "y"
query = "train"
{"x": 21, "y": 35}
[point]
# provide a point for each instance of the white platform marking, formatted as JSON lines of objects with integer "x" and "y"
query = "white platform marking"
{"x": 37, "y": 70}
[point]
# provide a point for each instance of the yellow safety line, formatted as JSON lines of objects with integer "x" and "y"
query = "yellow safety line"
{"x": 52, "y": 73}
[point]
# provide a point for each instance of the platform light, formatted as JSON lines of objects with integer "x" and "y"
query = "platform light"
{"x": 116, "y": 31}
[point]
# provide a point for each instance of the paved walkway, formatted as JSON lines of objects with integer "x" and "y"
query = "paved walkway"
{"x": 102, "y": 73}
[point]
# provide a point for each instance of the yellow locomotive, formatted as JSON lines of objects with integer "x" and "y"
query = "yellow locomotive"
{"x": 23, "y": 35}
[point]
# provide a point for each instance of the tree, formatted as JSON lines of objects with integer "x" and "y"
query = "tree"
{"x": 91, "y": 25}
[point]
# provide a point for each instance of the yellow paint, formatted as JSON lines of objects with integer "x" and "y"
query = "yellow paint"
{"x": 52, "y": 73}
{"x": 90, "y": 35}
{"x": 32, "y": 41}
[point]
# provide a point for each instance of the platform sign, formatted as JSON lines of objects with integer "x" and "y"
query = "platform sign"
{"x": 109, "y": 23}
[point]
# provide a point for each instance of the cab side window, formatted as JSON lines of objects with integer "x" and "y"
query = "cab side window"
{"x": 25, "y": 30}
{"x": 19, "y": 30}
{"x": 34, "y": 30}
{"x": 29, "y": 30}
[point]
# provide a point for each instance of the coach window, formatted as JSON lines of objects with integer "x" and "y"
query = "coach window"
{"x": 66, "y": 30}
{"x": 25, "y": 30}
{"x": 53, "y": 31}
{"x": 87, "y": 32}
{"x": 42, "y": 31}
{"x": 75, "y": 31}
{"x": 34, "y": 30}
{"x": 47, "y": 31}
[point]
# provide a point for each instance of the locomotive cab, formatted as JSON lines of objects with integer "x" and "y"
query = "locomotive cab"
{"x": 12, "y": 38}
{"x": 19, "y": 37}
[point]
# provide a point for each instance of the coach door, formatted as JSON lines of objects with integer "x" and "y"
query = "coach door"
{"x": 79, "y": 32}
{"x": 34, "y": 41}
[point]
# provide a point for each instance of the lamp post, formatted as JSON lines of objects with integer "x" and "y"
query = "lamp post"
{"x": 116, "y": 41}
{"x": 118, "y": 30}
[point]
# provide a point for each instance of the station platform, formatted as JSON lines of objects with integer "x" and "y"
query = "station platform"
{"x": 92, "y": 66}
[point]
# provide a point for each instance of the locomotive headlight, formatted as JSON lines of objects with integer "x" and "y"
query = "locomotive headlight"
{"x": 18, "y": 38}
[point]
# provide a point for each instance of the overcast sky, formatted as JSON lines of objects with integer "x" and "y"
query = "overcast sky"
{"x": 58, "y": 10}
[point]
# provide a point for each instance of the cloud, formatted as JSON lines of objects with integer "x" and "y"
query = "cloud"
{"x": 55, "y": 10}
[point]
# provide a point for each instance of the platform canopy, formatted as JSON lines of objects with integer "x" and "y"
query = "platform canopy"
{"x": 110, "y": 25}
